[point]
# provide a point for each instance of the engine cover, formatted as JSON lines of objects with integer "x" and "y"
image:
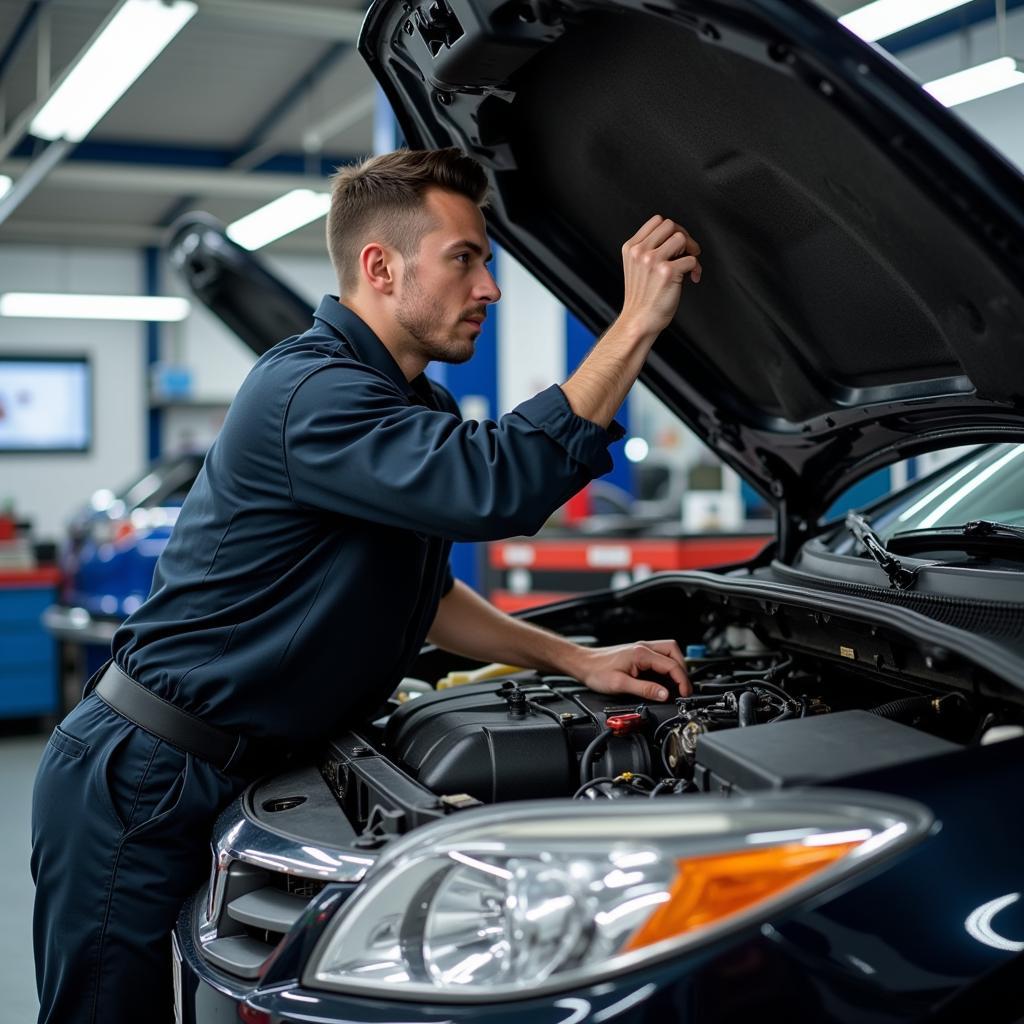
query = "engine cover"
{"x": 501, "y": 742}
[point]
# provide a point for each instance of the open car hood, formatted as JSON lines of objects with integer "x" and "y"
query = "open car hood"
{"x": 234, "y": 285}
{"x": 863, "y": 249}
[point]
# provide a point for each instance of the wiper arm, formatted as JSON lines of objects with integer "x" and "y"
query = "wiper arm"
{"x": 899, "y": 576}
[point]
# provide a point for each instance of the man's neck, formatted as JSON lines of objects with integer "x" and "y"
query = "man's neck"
{"x": 391, "y": 336}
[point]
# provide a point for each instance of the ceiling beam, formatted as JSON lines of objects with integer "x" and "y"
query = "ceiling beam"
{"x": 32, "y": 176}
{"x": 20, "y": 35}
{"x": 105, "y": 233}
{"x": 168, "y": 180}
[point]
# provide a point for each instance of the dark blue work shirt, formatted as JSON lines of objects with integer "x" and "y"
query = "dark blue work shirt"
{"x": 309, "y": 558}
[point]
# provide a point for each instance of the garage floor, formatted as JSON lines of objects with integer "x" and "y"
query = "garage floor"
{"x": 19, "y": 756}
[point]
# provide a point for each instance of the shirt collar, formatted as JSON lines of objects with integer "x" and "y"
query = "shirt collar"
{"x": 369, "y": 348}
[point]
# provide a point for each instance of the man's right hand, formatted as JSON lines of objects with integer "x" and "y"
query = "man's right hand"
{"x": 655, "y": 262}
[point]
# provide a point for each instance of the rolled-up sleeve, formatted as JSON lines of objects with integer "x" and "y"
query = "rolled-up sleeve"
{"x": 354, "y": 445}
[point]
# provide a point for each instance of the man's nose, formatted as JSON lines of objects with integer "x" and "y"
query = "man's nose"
{"x": 487, "y": 289}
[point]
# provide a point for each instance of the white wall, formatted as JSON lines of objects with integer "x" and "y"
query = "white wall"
{"x": 48, "y": 488}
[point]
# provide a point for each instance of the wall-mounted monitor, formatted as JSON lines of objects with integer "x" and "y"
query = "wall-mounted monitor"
{"x": 45, "y": 404}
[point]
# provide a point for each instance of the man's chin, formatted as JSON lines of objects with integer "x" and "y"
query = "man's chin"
{"x": 454, "y": 353}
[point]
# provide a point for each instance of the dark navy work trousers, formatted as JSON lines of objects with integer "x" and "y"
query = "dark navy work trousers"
{"x": 121, "y": 826}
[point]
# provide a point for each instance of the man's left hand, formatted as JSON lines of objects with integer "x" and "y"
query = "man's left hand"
{"x": 615, "y": 670}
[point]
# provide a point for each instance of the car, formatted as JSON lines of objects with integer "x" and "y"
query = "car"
{"x": 111, "y": 549}
{"x": 828, "y": 829}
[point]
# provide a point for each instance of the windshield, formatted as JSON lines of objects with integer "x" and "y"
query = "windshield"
{"x": 986, "y": 484}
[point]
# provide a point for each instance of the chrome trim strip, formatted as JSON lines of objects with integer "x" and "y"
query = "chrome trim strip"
{"x": 237, "y": 837}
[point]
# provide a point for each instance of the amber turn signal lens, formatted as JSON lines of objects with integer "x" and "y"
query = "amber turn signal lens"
{"x": 716, "y": 886}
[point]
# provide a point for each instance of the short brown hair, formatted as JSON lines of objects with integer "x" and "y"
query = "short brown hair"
{"x": 384, "y": 196}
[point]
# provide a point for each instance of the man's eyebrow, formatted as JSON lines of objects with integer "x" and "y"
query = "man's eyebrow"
{"x": 465, "y": 243}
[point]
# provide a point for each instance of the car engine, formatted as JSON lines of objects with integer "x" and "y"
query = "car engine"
{"x": 759, "y": 718}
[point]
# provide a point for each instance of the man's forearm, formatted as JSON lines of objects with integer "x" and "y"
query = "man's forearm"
{"x": 601, "y": 382}
{"x": 466, "y": 624}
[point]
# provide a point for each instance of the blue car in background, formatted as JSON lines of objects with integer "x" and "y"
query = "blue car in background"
{"x": 110, "y": 552}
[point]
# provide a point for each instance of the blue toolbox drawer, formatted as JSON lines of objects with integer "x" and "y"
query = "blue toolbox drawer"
{"x": 28, "y": 654}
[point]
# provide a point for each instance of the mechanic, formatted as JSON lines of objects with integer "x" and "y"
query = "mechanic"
{"x": 310, "y": 562}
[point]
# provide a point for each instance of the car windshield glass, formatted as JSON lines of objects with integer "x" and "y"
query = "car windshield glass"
{"x": 988, "y": 483}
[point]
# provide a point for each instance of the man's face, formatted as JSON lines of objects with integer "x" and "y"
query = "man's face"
{"x": 446, "y": 287}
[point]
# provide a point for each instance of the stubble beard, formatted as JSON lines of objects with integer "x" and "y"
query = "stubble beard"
{"x": 424, "y": 319}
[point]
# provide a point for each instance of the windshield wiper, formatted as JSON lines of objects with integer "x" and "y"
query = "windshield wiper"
{"x": 979, "y": 533}
{"x": 985, "y": 528}
{"x": 900, "y": 577}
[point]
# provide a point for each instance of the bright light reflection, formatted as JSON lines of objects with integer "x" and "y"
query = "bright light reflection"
{"x": 636, "y": 449}
{"x": 860, "y": 964}
{"x": 102, "y": 500}
{"x": 854, "y": 835}
{"x": 973, "y": 83}
{"x": 618, "y": 879}
{"x": 940, "y": 490}
{"x": 551, "y": 906}
{"x": 464, "y": 971}
{"x": 50, "y": 306}
{"x": 633, "y": 860}
{"x": 625, "y": 1003}
{"x": 320, "y": 856}
{"x": 933, "y": 517}
{"x": 279, "y": 217}
{"x": 780, "y": 836}
{"x": 884, "y": 17}
{"x": 578, "y": 1010}
{"x": 606, "y": 917}
{"x": 5, "y": 185}
{"x": 480, "y": 865}
{"x": 299, "y": 998}
{"x": 979, "y": 924}
{"x": 883, "y": 838}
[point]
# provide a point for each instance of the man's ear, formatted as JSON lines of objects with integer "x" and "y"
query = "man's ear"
{"x": 377, "y": 266}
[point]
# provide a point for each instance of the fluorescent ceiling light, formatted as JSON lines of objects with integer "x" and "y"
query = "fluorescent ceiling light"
{"x": 126, "y": 45}
{"x": 286, "y": 213}
{"x": 5, "y": 184}
{"x": 94, "y": 307}
{"x": 884, "y": 17}
{"x": 981, "y": 80}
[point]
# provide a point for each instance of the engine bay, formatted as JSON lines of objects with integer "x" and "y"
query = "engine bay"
{"x": 782, "y": 696}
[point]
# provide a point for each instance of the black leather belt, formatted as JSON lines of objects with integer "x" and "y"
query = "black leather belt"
{"x": 181, "y": 729}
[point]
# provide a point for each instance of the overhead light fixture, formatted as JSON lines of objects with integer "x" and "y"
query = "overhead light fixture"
{"x": 981, "y": 80}
{"x": 884, "y": 17}
{"x": 125, "y": 46}
{"x": 94, "y": 307}
{"x": 285, "y": 214}
{"x": 5, "y": 184}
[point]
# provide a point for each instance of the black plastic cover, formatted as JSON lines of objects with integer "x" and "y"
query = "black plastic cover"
{"x": 805, "y": 751}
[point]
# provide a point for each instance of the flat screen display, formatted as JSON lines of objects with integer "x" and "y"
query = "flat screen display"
{"x": 45, "y": 404}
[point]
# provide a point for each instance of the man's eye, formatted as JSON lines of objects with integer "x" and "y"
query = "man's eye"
{"x": 463, "y": 256}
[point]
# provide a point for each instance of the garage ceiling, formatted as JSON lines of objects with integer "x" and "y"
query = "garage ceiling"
{"x": 221, "y": 120}
{"x": 252, "y": 98}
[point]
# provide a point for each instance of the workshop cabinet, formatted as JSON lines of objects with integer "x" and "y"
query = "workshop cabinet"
{"x": 28, "y": 654}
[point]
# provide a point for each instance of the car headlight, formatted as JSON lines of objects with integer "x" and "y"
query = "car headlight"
{"x": 518, "y": 900}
